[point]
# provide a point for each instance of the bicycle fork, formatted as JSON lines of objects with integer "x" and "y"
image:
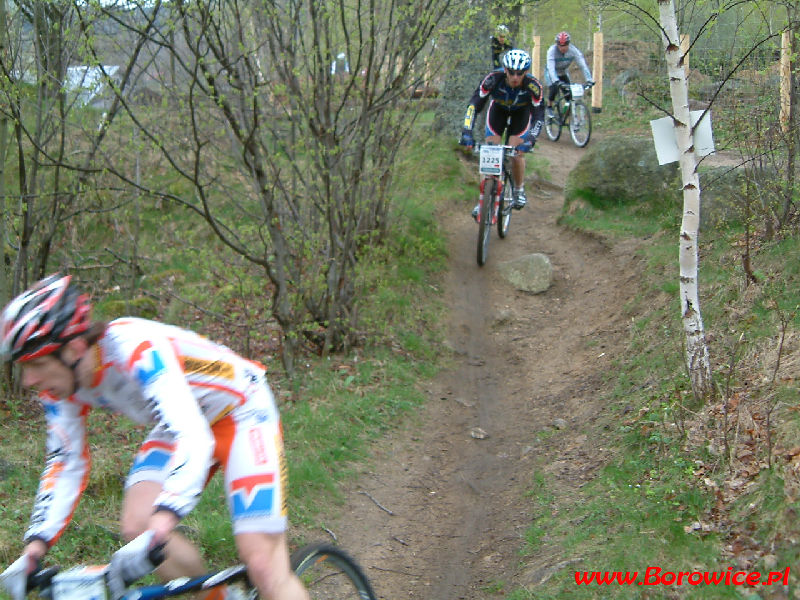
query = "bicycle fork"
{"x": 495, "y": 203}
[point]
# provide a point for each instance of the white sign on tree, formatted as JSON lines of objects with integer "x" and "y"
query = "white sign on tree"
{"x": 667, "y": 144}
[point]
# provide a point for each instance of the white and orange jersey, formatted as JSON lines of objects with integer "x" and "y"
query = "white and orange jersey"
{"x": 157, "y": 374}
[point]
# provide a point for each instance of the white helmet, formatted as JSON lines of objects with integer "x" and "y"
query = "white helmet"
{"x": 517, "y": 60}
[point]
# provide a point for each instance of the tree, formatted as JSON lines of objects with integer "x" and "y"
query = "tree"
{"x": 286, "y": 159}
{"x": 55, "y": 140}
{"x": 697, "y": 359}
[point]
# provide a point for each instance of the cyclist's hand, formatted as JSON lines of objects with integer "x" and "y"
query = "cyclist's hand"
{"x": 466, "y": 139}
{"x": 14, "y": 579}
{"x": 131, "y": 562}
{"x": 589, "y": 83}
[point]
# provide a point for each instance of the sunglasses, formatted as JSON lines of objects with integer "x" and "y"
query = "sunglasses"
{"x": 516, "y": 72}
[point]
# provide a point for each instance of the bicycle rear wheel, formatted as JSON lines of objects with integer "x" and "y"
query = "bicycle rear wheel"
{"x": 506, "y": 204}
{"x": 580, "y": 124}
{"x": 329, "y": 573}
{"x": 552, "y": 125}
{"x": 485, "y": 222}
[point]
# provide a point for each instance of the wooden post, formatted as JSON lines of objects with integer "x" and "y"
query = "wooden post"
{"x": 597, "y": 72}
{"x": 786, "y": 80}
{"x": 536, "y": 58}
{"x": 685, "y": 53}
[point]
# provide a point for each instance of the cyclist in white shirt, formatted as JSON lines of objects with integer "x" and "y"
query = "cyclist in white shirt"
{"x": 559, "y": 57}
{"x": 208, "y": 408}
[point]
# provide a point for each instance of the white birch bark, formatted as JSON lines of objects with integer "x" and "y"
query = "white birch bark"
{"x": 697, "y": 360}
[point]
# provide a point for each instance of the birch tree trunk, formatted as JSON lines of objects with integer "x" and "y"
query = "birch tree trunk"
{"x": 697, "y": 360}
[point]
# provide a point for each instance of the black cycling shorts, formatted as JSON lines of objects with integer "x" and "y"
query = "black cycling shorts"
{"x": 497, "y": 118}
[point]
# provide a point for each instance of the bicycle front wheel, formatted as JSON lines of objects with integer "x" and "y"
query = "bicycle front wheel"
{"x": 329, "y": 572}
{"x": 552, "y": 124}
{"x": 580, "y": 124}
{"x": 485, "y": 222}
{"x": 506, "y": 204}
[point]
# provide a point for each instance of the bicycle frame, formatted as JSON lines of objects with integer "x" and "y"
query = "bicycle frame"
{"x": 496, "y": 193}
{"x": 569, "y": 110}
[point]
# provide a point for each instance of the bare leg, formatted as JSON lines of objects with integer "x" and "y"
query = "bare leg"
{"x": 267, "y": 558}
{"x": 183, "y": 558}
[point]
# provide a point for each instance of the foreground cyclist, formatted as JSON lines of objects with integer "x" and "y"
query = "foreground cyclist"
{"x": 559, "y": 57}
{"x": 208, "y": 407}
{"x": 516, "y": 93}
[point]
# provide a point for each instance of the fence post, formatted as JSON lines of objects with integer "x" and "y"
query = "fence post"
{"x": 597, "y": 71}
{"x": 786, "y": 80}
{"x": 536, "y": 58}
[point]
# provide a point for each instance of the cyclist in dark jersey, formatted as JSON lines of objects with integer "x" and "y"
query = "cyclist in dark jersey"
{"x": 500, "y": 44}
{"x": 514, "y": 93}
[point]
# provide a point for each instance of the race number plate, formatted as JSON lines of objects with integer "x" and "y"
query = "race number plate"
{"x": 576, "y": 89}
{"x": 491, "y": 160}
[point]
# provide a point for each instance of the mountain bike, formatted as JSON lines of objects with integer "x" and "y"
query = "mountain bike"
{"x": 497, "y": 193}
{"x": 327, "y": 572}
{"x": 570, "y": 110}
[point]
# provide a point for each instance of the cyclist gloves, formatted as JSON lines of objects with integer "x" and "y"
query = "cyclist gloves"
{"x": 129, "y": 563}
{"x": 466, "y": 138}
{"x": 14, "y": 578}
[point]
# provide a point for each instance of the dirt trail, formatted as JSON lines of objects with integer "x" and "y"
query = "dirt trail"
{"x": 520, "y": 361}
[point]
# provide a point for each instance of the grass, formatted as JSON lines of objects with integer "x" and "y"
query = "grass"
{"x": 668, "y": 497}
{"x": 331, "y": 412}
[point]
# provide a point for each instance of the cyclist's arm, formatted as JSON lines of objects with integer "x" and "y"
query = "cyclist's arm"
{"x": 537, "y": 108}
{"x": 479, "y": 99}
{"x": 155, "y": 366}
{"x": 65, "y": 474}
{"x": 587, "y": 74}
{"x": 552, "y": 75}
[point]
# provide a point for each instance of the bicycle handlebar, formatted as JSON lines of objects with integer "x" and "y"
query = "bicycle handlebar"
{"x": 42, "y": 579}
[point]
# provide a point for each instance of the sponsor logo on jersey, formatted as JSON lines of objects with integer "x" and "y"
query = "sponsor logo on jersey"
{"x": 257, "y": 446}
{"x": 152, "y": 455}
{"x": 252, "y": 496}
{"x": 211, "y": 368}
{"x": 146, "y": 363}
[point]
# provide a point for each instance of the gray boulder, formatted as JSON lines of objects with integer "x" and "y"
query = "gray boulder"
{"x": 621, "y": 170}
{"x": 529, "y": 273}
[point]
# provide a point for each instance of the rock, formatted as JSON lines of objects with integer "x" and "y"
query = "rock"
{"x": 529, "y": 273}
{"x": 621, "y": 170}
{"x": 560, "y": 423}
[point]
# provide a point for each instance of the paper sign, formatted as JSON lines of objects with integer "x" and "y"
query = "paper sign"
{"x": 667, "y": 146}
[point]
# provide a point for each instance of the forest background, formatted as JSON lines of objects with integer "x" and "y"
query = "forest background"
{"x": 202, "y": 163}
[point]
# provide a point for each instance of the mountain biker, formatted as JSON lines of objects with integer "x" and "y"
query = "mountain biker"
{"x": 208, "y": 408}
{"x": 500, "y": 44}
{"x": 516, "y": 93}
{"x": 559, "y": 57}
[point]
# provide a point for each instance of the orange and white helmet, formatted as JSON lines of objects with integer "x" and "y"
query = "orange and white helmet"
{"x": 44, "y": 318}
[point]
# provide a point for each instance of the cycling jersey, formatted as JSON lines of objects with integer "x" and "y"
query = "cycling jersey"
{"x": 523, "y": 104}
{"x": 498, "y": 49}
{"x": 558, "y": 63}
{"x": 496, "y": 87}
{"x": 199, "y": 396}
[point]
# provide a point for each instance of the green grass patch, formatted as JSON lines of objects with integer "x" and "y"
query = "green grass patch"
{"x": 332, "y": 410}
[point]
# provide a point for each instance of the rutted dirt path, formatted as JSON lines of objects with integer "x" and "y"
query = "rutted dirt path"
{"x": 441, "y": 513}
